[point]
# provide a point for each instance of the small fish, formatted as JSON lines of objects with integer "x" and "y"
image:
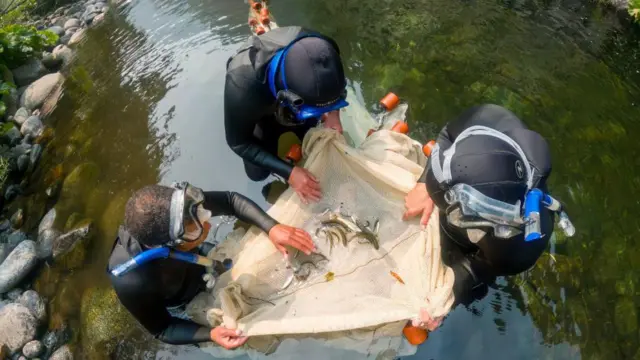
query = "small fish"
{"x": 369, "y": 237}
{"x": 288, "y": 282}
{"x": 329, "y": 276}
{"x": 397, "y": 277}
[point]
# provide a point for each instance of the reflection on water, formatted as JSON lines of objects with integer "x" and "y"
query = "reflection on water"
{"x": 144, "y": 105}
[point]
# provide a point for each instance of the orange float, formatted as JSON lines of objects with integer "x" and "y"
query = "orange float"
{"x": 401, "y": 127}
{"x": 295, "y": 153}
{"x": 390, "y": 101}
{"x": 260, "y": 30}
{"x": 264, "y": 12}
{"x": 255, "y": 5}
{"x": 253, "y": 22}
{"x": 265, "y": 20}
{"x": 428, "y": 148}
{"x": 415, "y": 335}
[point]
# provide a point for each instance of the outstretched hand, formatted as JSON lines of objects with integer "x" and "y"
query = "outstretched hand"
{"x": 425, "y": 321}
{"x": 331, "y": 120}
{"x": 305, "y": 185}
{"x": 283, "y": 235}
{"x": 227, "y": 338}
{"x": 418, "y": 202}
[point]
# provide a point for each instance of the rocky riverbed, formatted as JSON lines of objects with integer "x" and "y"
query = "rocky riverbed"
{"x": 33, "y": 236}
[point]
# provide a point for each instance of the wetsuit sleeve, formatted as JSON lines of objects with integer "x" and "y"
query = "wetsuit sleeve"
{"x": 146, "y": 305}
{"x": 242, "y": 111}
{"x": 232, "y": 203}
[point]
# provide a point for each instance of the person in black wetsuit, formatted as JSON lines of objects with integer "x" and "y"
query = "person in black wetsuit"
{"x": 178, "y": 217}
{"x": 495, "y": 158}
{"x": 286, "y": 80}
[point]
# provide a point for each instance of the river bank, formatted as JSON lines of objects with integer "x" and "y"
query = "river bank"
{"x": 30, "y": 242}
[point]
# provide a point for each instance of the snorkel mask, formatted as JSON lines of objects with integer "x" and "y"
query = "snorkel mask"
{"x": 468, "y": 208}
{"x": 289, "y": 99}
{"x": 187, "y": 214}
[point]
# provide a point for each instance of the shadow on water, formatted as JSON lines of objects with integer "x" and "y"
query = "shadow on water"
{"x": 143, "y": 104}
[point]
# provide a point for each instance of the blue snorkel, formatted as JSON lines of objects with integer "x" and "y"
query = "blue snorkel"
{"x": 534, "y": 200}
{"x": 288, "y": 98}
{"x": 163, "y": 253}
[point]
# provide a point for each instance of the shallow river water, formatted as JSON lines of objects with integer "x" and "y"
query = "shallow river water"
{"x": 144, "y": 102}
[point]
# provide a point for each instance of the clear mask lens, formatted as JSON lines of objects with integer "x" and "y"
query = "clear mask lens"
{"x": 473, "y": 203}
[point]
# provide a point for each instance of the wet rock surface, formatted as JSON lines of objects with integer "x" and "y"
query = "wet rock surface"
{"x": 17, "y": 265}
{"x": 36, "y": 94}
{"x": 64, "y": 353}
{"x": 17, "y": 326}
{"x": 32, "y": 301}
{"x": 32, "y": 349}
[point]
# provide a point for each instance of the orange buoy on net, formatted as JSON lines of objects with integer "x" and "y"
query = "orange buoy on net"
{"x": 255, "y": 5}
{"x": 390, "y": 101}
{"x": 415, "y": 335}
{"x": 401, "y": 127}
{"x": 295, "y": 153}
{"x": 264, "y": 12}
{"x": 428, "y": 148}
{"x": 265, "y": 20}
{"x": 253, "y": 22}
{"x": 260, "y": 30}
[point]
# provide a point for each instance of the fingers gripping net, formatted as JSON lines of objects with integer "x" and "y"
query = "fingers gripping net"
{"x": 354, "y": 287}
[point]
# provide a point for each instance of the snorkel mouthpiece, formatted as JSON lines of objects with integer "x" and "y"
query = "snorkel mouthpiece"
{"x": 289, "y": 97}
{"x": 534, "y": 199}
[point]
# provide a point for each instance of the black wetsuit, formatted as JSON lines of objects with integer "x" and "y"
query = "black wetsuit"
{"x": 477, "y": 265}
{"x": 149, "y": 290}
{"x": 249, "y": 107}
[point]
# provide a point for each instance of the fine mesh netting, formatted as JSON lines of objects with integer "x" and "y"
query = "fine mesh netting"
{"x": 359, "y": 294}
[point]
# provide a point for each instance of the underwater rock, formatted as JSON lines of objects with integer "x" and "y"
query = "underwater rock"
{"x": 32, "y": 301}
{"x": 48, "y": 220}
{"x": 68, "y": 241}
{"x": 16, "y": 238}
{"x": 73, "y": 220}
{"x": 36, "y": 94}
{"x": 11, "y": 192}
{"x": 98, "y": 19}
{"x": 46, "y": 239}
{"x": 625, "y": 316}
{"x": 32, "y": 349}
{"x": 17, "y": 219}
{"x": 113, "y": 214}
{"x": 23, "y": 162}
{"x": 33, "y": 127}
{"x": 58, "y": 30}
{"x": 14, "y": 294}
{"x": 21, "y": 116}
{"x": 36, "y": 151}
{"x": 4, "y": 251}
{"x": 53, "y": 189}
{"x": 29, "y": 72}
{"x": 72, "y": 23}
{"x": 51, "y": 62}
{"x": 64, "y": 353}
{"x": 64, "y": 53}
{"x": 77, "y": 37}
{"x": 17, "y": 326}
{"x": 81, "y": 180}
{"x": 17, "y": 265}
{"x": 103, "y": 320}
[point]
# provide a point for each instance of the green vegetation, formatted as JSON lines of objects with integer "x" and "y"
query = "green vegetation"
{"x": 15, "y": 11}
{"x": 19, "y": 43}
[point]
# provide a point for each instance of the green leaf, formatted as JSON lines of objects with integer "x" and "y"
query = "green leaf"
{"x": 3, "y": 108}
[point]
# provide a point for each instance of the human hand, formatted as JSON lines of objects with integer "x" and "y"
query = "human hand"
{"x": 305, "y": 185}
{"x": 425, "y": 321}
{"x": 227, "y": 338}
{"x": 418, "y": 202}
{"x": 281, "y": 235}
{"x": 331, "y": 120}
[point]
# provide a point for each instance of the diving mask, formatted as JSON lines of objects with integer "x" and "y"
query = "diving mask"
{"x": 188, "y": 214}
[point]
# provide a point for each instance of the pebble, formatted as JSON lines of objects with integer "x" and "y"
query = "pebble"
{"x": 64, "y": 40}
{"x": 32, "y": 349}
{"x": 17, "y": 326}
{"x": 51, "y": 62}
{"x": 36, "y": 151}
{"x": 72, "y": 23}
{"x": 64, "y": 53}
{"x": 12, "y": 191}
{"x": 17, "y": 265}
{"x": 77, "y": 37}
{"x": 17, "y": 219}
{"x": 23, "y": 162}
{"x": 58, "y": 30}
{"x": 21, "y": 116}
{"x": 4, "y": 225}
{"x": 64, "y": 353}
{"x": 33, "y": 127}
{"x": 32, "y": 301}
{"x": 29, "y": 72}
{"x": 12, "y": 136}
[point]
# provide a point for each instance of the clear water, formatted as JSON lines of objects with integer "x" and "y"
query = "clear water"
{"x": 144, "y": 103}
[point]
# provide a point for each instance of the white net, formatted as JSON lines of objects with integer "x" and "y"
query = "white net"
{"x": 359, "y": 294}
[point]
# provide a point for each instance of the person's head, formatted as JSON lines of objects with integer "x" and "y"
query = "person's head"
{"x": 307, "y": 79}
{"x": 484, "y": 165}
{"x": 167, "y": 216}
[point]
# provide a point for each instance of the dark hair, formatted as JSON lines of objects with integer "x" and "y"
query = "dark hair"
{"x": 147, "y": 214}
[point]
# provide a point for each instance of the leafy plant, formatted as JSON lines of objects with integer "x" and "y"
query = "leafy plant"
{"x": 19, "y": 42}
{"x": 5, "y": 89}
{"x": 634, "y": 9}
{"x": 4, "y": 170}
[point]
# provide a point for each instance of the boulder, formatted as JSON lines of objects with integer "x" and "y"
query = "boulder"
{"x": 81, "y": 180}
{"x": 46, "y": 239}
{"x": 29, "y": 72}
{"x": 21, "y": 116}
{"x": 32, "y": 349}
{"x": 17, "y": 326}
{"x": 32, "y": 301}
{"x": 17, "y": 265}
{"x": 64, "y": 53}
{"x": 64, "y": 353}
{"x": 36, "y": 94}
{"x": 58, "y": 30}
{"x": 33, "y": 127}
{"x": 47, "y": 220}
{"x": 51, "y": 62}
{"x": 77, "y": 37}
{"x": 103, "y": 320}
{"x": 72, "y": 23}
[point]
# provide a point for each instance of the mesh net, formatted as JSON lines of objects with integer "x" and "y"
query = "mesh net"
{"x": 358, "y": 293}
